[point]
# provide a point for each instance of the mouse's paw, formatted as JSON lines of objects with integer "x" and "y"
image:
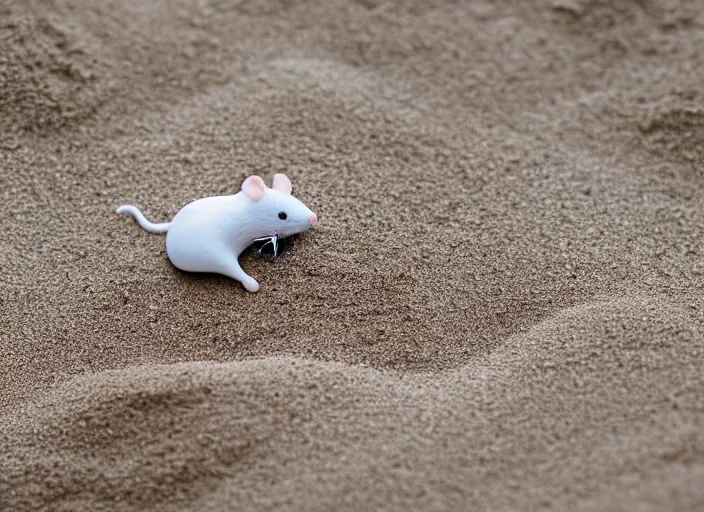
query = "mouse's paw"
{"x": 250, "y": 284}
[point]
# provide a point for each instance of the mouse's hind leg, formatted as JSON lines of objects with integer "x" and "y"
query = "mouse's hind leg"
{"x": 230, "y": 266}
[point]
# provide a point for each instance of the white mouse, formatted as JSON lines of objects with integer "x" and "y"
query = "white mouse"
{"x": 209, "y": 234}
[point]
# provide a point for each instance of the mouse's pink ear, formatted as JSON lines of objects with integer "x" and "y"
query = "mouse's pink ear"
{"x": 282, "y": 184}
{"x": 254, "y": 188}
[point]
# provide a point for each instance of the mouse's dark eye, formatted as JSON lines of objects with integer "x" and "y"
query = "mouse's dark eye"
{"x": 282, "y": 215}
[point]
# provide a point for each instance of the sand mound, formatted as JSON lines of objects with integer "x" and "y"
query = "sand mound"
{"x": 48, "y": 76}
{"x": 501, "y": 308}
{"x": 575, "y": 402}
{"x": 676, "y": 133}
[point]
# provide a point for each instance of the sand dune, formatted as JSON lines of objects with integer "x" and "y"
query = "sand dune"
{"x": 556, "y": 416}
{"x": 500, "y": 310}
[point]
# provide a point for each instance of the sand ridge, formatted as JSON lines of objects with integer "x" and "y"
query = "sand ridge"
{"x": 262, "y": 432}
{"x": 501, "y": 308}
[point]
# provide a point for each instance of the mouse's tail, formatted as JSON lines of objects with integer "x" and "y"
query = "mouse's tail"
{"x": 162, "y": 227}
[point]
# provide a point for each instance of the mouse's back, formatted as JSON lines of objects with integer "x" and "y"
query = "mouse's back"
{"x": 201, "y": 230}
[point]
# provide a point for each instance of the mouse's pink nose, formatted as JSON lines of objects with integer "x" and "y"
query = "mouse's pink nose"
{"x": 313, "y": 219}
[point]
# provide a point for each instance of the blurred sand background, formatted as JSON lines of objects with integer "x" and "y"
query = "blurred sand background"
{"x": 500, "y": 310}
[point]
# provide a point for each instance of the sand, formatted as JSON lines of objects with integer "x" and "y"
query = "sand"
{"x": 501, "y": 308}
